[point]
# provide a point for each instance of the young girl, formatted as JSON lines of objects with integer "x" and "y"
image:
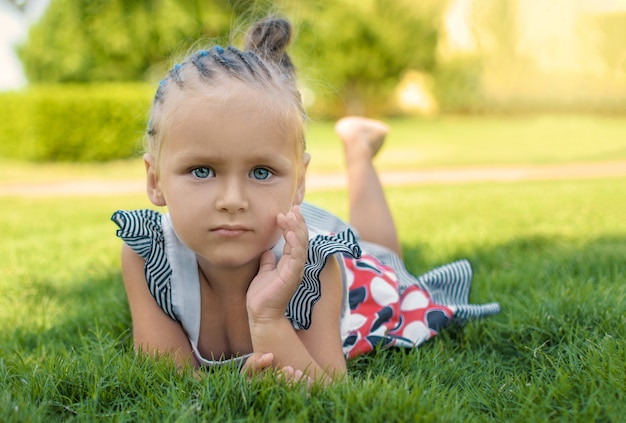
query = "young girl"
{"x": 239, "y": 269}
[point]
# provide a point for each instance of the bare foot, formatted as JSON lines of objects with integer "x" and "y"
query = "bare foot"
{"x": 362, "y": 137}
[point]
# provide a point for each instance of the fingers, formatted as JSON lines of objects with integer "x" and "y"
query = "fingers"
{"x": 275, "y": 283}
{"x": 267, "y": 262}
{"x": 257, "y": 363}
{"x": 295, "y": 232}
{"x": 295, "y": 376}
{"x": 293, "y": 221}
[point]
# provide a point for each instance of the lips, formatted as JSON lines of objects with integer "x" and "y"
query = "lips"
{"x": 230, "y": 230}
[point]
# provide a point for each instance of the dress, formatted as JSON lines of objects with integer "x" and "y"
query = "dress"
{"x": 383, "y": 304}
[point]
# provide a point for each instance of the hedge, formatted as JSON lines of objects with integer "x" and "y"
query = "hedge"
{"x": 81, "y": 123}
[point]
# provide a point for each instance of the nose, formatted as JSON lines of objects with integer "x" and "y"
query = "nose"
{"x": 232, "y": 196}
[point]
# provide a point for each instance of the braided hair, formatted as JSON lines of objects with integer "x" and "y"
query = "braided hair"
{"x": 263, "y": 64}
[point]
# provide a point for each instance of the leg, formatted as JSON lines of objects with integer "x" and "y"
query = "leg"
{"x": 369, "y": 211}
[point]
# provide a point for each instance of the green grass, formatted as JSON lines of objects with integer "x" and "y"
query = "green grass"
{"x": 484, "y": 141}
{"x": 415, "y": 144}
{"x": 552, "y": 253}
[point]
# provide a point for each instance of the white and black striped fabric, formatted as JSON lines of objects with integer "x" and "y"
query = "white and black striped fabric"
{"x": 142, "y": 230}
{"x": 309, "y": 292}
{"x": 447, "y": 285}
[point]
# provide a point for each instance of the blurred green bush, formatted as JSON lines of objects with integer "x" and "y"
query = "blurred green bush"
{"x": 458, "y": 85}
{"x": 351, "y": 53}
{"x": 82, "y": 123}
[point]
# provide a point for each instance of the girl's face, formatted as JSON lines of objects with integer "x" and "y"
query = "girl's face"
{"x": 226, "y": 169}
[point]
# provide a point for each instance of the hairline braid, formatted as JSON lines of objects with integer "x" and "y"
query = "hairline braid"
{"x": 261, "y": 68}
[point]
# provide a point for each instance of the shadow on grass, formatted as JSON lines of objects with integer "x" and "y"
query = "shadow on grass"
{"x": 551, "y": 291}
{"x": 556, "y": 295}
{"x": 556, "y": 349}
{"x": 78, "y": 309}
{"x": 557, "y": 345}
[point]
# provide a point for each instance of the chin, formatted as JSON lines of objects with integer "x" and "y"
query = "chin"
{"x": 233, "y": 261}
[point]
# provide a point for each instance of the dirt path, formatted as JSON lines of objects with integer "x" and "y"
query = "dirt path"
{"x": 335, "y": 181}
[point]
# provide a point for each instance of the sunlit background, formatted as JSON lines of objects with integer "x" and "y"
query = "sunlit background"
{"x": 529, "y": 53}
{"x": 14, "y": 24}
{"x": 559, "y": 51}
{"x": 73, "y": 70}
{"x": 507, "y": 146}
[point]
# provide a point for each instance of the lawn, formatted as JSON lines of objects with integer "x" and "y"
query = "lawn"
{"x": 415, "y": 144}
{"x": 553, "y": 253}
{"x": 485, "y": 141}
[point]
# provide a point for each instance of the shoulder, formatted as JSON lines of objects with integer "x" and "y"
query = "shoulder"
{"x": 330, "y": 278}
{"x": 323, "y": 336}
{"x": 142, "y": 232}
{"x": 321, "y": 266}
{"x": 145, "y": 263}
{"x": 137, "y": 220}
{"x": 133, "y": 268}
{"x": 139, "y": 229}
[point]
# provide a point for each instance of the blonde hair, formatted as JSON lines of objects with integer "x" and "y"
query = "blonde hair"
{"x": 263, "y": 64}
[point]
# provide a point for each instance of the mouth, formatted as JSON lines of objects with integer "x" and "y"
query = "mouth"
{"x": 230, "y": 230}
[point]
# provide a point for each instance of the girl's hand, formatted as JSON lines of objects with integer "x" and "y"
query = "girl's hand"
{"x": 292, "y": 376}
{"x": 257, "y": 363}
{"x": 272, "y": 288}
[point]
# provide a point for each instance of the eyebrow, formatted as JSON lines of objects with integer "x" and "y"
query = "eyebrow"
{"x": 269, "y": 158}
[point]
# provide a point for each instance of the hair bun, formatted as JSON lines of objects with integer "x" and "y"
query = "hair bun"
{"x": 270, "y": 38}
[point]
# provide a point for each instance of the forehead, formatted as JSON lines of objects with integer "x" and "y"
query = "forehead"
{"x": 234, "y": 111}
{"x": 228, "y": 97}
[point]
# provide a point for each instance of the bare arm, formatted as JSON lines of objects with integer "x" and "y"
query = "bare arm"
{"x": 317, "y": 351}
{"x": 153, "y": 331}
{"x": 323, "y": 338}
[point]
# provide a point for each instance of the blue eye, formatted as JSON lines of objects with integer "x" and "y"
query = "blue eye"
{"x": 202, "y": 172}
{"x": 261, "y": 173}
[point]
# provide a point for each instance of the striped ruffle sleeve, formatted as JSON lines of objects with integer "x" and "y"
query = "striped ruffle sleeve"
{"x": 142, "y": 231}
{"x": 300, "y": 307}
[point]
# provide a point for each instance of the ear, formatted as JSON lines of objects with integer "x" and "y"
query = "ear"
{"x": 153, "y": 184}
{"x": 301, "y": 188}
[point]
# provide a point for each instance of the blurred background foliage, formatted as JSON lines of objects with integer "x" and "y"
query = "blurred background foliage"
{"x": 74, "y": 122}
{"x": 371, "y": 57}
{"x": 356, "y": 49}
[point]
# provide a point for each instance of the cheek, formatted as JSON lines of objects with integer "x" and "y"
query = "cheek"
{"x": 184, "y": 198}
{"x": 184, "y": 209}
{"x": 267, "y": 215}
{"x": 268, "y": 232}
{"x": 268, "y": 218}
